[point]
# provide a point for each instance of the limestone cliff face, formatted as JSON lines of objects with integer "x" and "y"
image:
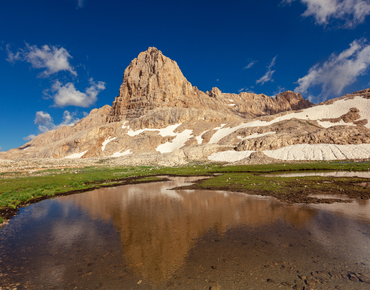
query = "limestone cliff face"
{"x": 153, "y": 81}
{"x": 252, "y": 105}
{"x": 159, "y": 112}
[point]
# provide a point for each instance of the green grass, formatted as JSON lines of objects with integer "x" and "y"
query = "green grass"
{"x": 22, "y": 189}
{"x": 277, "y": 186}
{"x": 148, "y": 179}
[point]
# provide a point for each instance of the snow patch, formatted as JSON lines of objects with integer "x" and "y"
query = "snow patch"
{"x": 229, "y": 156}
{"x": 107, "y": 140}
{"x": 255, "y": 135}
{"x": 320, "y": 152}
{"x": 328, "y": 124}
{"x": 124, "y": 125}
{"x": 119, "y": 154}
{"x": 199, "y": 138}
{"x": 334, "y": 110}
{"x": 223, "y": 132}
{"x": 168, "y": 131}
{"x": 176, "y": 143}
{"x": 76, "y": 155}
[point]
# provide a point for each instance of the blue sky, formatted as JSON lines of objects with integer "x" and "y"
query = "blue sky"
{"x": 59, "y": 59}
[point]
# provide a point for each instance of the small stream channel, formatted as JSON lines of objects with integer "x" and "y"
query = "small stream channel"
{"x": 147, "y": 236}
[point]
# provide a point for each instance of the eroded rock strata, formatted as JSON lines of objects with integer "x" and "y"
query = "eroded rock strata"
{"x": 159, "y": 113}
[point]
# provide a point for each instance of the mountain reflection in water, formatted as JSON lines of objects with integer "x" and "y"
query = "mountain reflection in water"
{"x": 159, "y": 226}
{"x": 146, "y": 236}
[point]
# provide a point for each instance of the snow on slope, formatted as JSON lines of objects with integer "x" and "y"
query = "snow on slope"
{"x": 119, "y": 154}
{"x": 176, "y": 143}
{"x": 199, "y": 138}
{"x": 334, "y": 110}
{"x": 76, "y": 155}
{"x": 168, "y": 131}
{"x": 320, "y": 152}
{"x": 167, "y": 147}
{"x": 229, "y": 156}
{"x": 302, "y": 152}
{"x": 107, "y": 140}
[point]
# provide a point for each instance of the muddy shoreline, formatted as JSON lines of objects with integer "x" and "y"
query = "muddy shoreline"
{"x": 296, "y": 197}
{"x": 7, "y": 213}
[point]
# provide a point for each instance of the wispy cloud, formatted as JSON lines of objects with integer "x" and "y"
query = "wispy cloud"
{"x": 278, "y": 90}
{"x": 246, "y": 89}
{"x": 50, "y": 58}
{"x": 352, "y": 12}
{"x": 268, "y": 75}
{"x": 286, "y": 2}
{"x": 67, "y": 95}
{"x": 339, "y": 71}
{"x": 1, "y": 149}
{"x": 80, "y": 3}
{"x": 250, "y": 64}
{"x": 29, "y": 137}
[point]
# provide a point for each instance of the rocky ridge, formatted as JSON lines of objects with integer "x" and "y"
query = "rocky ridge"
{"x": 160, "y": 118}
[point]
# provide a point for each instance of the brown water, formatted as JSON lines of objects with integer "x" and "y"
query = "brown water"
{"x": 150, "y": 237}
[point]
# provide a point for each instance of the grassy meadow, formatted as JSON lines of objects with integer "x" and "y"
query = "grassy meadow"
{"x": 20, "y": 189}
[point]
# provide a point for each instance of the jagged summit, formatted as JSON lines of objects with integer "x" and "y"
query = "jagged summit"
{"x": 153, "y": 81}
{"x": 158, "y": 111}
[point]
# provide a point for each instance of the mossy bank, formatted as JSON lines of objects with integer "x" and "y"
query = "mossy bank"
{"x": 20, "y": 190}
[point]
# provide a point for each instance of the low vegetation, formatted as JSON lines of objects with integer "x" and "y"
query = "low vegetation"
{"x": 19, "y": 190}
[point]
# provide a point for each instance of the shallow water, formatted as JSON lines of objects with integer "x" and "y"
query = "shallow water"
{"x": 147, "y": 236}
{"x": 361, "y": 174}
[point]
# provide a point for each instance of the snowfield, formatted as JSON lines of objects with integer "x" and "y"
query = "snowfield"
{"x": 76, "y": 155}
{"x": 302, "y": 152}
{"x": 334, "y": 110}
{"x": 320, "y": 152}
{"x": 229, "y": 156}
{"x": 177, "y": 143}
{"x": 168, "y": 131}
{"x": 106, "y": 142}
{"x": 119, "y": 154}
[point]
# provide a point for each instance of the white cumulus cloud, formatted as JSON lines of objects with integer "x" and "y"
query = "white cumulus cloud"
{"x": 352, "y": 12}
{"x": 45, "y": 121}
{"x": 50, "y": 58}
{"x": 339, "y": 71}
{"x": 268, "y": 75}
{"x": 68, "y": 95}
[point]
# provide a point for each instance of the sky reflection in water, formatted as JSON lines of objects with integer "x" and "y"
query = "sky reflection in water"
{"x": 151, "y": 229}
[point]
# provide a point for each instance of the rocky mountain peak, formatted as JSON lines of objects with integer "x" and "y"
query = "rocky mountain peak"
{"x": 294, "y": 100}
{"x": 151, "y": 81}
{"x": 214, "y": 93}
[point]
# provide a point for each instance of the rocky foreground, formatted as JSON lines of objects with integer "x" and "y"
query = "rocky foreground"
{"x": 160, "y": 118}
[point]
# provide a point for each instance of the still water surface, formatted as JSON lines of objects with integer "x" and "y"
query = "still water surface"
{"x": 148, "y": 236}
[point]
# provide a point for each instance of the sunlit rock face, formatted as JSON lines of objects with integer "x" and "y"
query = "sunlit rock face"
{"x": 159, "y": 112}
{"x": 158, "y": 226}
